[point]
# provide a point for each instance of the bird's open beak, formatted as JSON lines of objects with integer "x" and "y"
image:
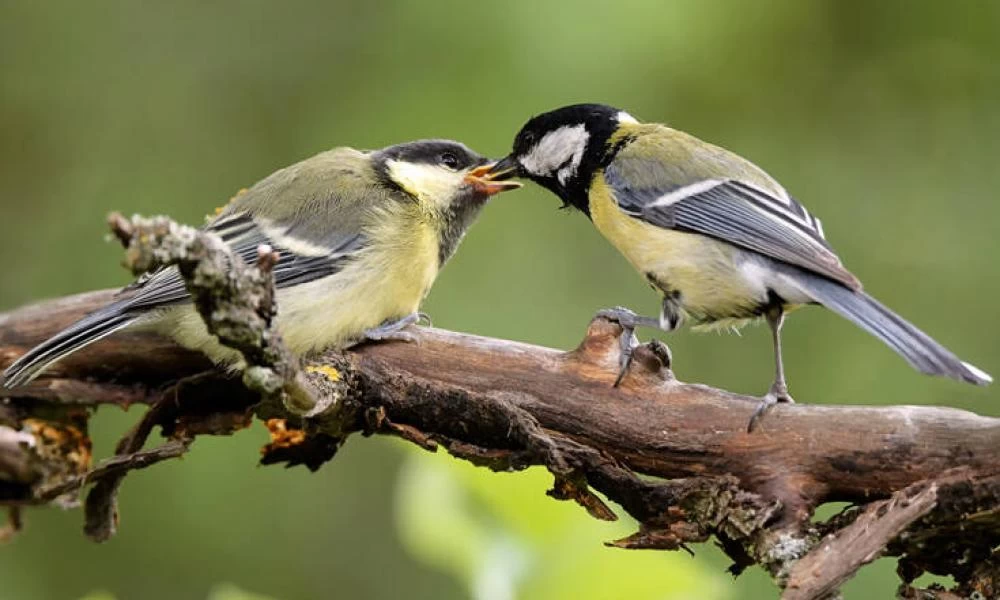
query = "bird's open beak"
{"x": 493, "y": 178}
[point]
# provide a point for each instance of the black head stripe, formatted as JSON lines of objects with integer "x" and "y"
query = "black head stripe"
{"x": 425, "y": 152}
{"x": 431, "y": 152}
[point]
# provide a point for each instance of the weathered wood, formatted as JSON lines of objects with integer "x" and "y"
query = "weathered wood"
{"x": 840, "y": 554}
{"x": 676, "y": 456}
{"x": 653, "y": 423}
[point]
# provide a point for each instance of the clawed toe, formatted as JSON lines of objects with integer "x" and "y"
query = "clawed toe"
{"x": 619, "y": 314}
{"x": 399, "y": 336}
{"x": 778, "y": 394}
{"x": 376, "y": 335}
{"x": 395, "y": 330}
{"x": 627, "y": 343}
{"x": 779, "y": 391}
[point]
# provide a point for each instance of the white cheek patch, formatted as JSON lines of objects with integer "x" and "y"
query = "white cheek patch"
{"x": 433, "y": 184}
{"x": 570, "y": 170}
{"x": 560, "y": 150}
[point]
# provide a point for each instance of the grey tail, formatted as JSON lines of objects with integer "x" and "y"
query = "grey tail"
{"x": 919, "y": 349}
{"x": 87, "y": 330}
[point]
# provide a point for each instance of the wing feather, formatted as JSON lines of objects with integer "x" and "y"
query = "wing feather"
{"x": 166, "y": 287}
{"x": 731, "y": 210}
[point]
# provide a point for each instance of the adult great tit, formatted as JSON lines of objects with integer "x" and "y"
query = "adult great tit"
{"x": 720, "y": 239}
{"x": 361, "y": 237}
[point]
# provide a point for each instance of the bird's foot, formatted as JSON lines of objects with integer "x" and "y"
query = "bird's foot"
{"x": 627, "y": 342}
{"x": 394, "y": 330}
{"x": 777, "y": 394}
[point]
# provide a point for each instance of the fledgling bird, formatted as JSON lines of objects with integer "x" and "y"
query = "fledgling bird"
{"x": 361, "y": 237}
{"x": 721, "y": 240}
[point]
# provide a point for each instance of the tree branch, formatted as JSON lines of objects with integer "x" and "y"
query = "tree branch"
{"x": 675, "y": 456}
{"x": 840, "y": 554}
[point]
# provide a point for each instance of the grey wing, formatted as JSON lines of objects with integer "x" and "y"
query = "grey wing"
{"x": 736, "y": 212}
{"x": 335, "y": 187}
{"x": 244, "y": 235}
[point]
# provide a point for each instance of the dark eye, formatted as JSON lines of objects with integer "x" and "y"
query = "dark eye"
{"x": 528, "y": 139}
{"x": 449, "y": 160}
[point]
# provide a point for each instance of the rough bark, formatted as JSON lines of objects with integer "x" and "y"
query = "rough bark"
{"x": 676, "y": 456}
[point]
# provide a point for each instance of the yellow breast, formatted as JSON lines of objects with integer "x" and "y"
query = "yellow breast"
{"x": 385, "y": 281}
{"x": 702, "y": 270}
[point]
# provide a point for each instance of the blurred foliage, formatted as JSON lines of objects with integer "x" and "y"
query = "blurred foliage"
{"x": 227, "y": 591}
{"x": 223, "y": 591}
{"x": 99, "y": 595}
{"x": 492, "y": 531}
{"x": 881, "y": 117}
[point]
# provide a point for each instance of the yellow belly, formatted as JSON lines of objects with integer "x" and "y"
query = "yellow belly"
{"x": 387, "y": 281}
{"x": 701, "y": 272}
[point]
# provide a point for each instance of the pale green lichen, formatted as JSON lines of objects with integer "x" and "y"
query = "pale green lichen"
{"x": 262, "y": 379}
{"x": 783, "y": 551}
{"x": 235, "y": 299}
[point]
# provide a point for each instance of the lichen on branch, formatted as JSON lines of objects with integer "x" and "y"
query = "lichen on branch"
{"x": 675, "y": 456}
{"x": 236, "y": 300}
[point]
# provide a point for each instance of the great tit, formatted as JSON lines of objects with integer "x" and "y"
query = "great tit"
{"x": 361, "y": 237}
{"x": 715, "y": 235}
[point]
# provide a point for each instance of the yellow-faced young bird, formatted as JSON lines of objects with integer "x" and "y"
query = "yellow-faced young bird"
{"x": 721, "y": 240}
{"x": 361, "y": 237}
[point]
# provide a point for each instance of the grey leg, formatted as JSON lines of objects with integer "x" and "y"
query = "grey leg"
{"x": 779, "y": 389}
{"x": 627, "y": 341}
{"x": 393, "y": 330}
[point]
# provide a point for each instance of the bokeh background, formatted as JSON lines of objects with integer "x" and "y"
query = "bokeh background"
{"x": 882, "y": 117}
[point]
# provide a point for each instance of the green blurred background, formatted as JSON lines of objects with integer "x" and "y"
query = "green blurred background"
{"x": 882, "y": 117}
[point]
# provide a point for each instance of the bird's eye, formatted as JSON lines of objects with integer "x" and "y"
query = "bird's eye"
{"x": 449, "y": 160}
{"x": 528, "y": 139}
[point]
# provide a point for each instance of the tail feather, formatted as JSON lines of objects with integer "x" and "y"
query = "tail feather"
{"x": 86, "y": 331}
{"x": 919, "y": 349}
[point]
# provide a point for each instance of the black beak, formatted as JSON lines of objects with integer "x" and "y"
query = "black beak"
{"x": 505, "y": 168}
